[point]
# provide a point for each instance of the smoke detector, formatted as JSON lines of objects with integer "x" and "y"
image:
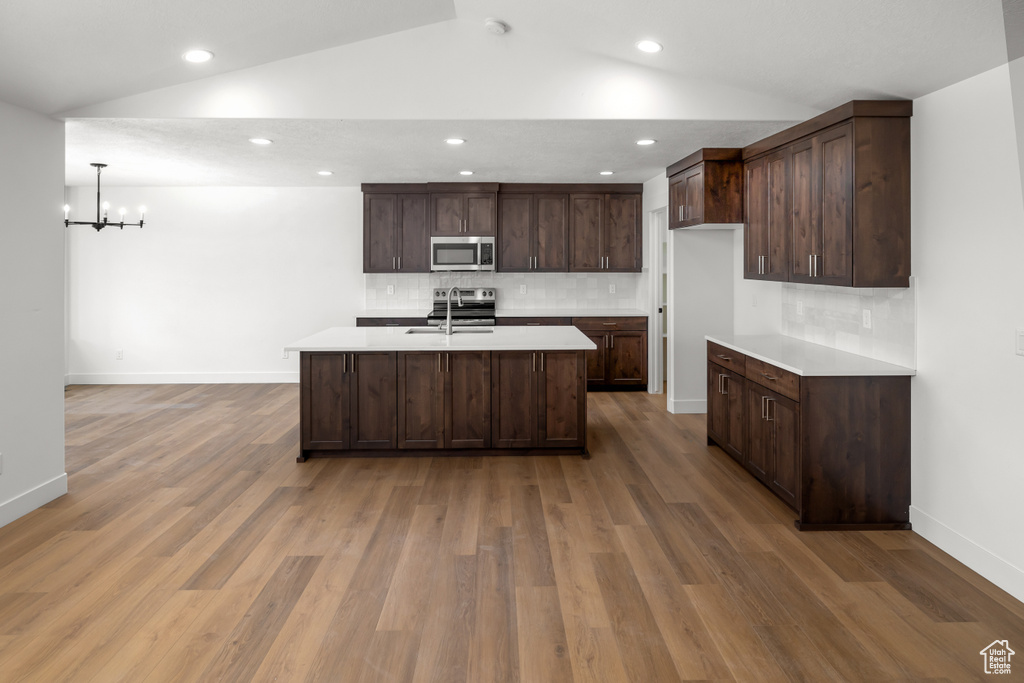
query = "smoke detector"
{"x": 495, "y": 26}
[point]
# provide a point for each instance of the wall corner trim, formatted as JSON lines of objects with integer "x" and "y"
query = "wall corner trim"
{"x": 687, "y": 406}
{"x": 24, "y": 503}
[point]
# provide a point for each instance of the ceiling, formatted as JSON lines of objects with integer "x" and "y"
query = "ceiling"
{"x": 813, "y": 54}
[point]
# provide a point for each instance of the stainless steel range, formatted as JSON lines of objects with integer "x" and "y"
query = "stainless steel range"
{"x": 477, "y": 307}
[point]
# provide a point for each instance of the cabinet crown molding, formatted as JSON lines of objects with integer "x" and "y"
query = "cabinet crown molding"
{"x": 705, "y": 154}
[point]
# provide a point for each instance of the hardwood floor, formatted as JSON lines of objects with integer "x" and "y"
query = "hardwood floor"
{"x": 192, "y": 547}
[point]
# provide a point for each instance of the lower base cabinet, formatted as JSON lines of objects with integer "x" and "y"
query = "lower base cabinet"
{"x": 348, "y": 400}
{"x": 835, "y": 449}
{"x": 538, "y": 399}
{"x": 444, "y": 399}
{"x": 620, "y": 359}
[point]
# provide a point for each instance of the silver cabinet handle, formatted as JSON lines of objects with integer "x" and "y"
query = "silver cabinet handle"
{"x": 764, "y": 408}
{"x": 542, "y": 361}
{"x": 399, "y": 262}
{"x": 718, "y": 355}
{"x": 725, "y": 384}
{"x": 817, "y": 270}
{"x": 393, "y": 261}
{"x": 344, "y": 363}
{"x": 720, "y": 378}
{"x": 810, "y": 265}
{"x": 768, "y": 377}
{"x": 613, "y": 340}
{"x": 768, "y": 415}
{"x": 606, "y": 341}
{"x": 534, "y": 354}
{"x": 609, "y": 323}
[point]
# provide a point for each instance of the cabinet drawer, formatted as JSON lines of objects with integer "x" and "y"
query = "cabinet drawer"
{"x": 774, "y": 378}
{"x": 636, "y": 324}
{"x": 391, "y": 322}
{"x": 535, "y": 320}
{"x": 727, "y": 358}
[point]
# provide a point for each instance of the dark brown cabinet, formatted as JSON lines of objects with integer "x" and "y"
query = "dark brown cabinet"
{"x": 443, "y": 399}
{"x": 706, "y": 188}
{"x": 620, "y": 359}
{"x": 533, "y": 232}
{"x": 459, "y": 212}
{"x": 535, "y": 398}
{"x": 395, "y": 232}
{"x": 391, "y": 322}
{"x": 838, "y": 187}
{"x": 605, "y": 233}
{"x": 834, "y": 448}
{"x": 347, "y": 401}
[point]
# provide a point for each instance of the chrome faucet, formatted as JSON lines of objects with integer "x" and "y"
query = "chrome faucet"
{"x": 448, "y": 322}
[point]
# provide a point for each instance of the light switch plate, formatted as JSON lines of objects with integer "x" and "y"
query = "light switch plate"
{"x": 522, "y": 289}
{"x": 391, "y": 289}
{"x": 1020, "y": 341}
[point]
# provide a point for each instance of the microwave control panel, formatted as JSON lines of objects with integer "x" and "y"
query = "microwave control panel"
{"x": 487, "y": 254}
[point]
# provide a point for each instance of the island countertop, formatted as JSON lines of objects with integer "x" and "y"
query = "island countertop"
{"x": 501, "y": 338}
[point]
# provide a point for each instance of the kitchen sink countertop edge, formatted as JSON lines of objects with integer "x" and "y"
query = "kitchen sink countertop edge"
{"x": 807, "y": 358}
{"x": 504, "y": 338}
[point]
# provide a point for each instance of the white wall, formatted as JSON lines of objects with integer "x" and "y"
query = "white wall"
{"x": 968, "y": 397}
{"x": 31, "y": 312}
{"x": 758, "y": 305}
{"x": 214, "y": 285}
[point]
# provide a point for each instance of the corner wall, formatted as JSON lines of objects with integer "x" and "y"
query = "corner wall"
{"x": 31, "y": 312}
{"x": 968, "y": 396}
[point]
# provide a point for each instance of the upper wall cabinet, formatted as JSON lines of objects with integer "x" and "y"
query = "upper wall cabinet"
{"x": 706, "y": 189}
{"x": 828, "y": 201}
{"x": 605, "y": 232}
{"x": 395, "y": 232}
{"x": 463, "y": 208}
{"x": 533, "y": 232}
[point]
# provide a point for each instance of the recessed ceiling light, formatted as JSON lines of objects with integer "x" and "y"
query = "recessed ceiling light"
{"x": 607, "y": 172}
{"x": 197, "y": 56}
{"x": 265, "y": 141}
{"x": 454, "y": 141}
{"x": 495, "y": 26}
{"x": 648, "y": 46}
{"x": 325, "y": 172}
{"x": 645, "y": 142}
{"x": 465, "y": 173}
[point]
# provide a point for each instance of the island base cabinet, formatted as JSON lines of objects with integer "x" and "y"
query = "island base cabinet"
{"x": 443, "y": 399}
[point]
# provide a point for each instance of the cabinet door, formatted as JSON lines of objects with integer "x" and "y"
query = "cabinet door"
{"x": 784, "y": 415}
{"x": 726, "y": 424}
{"x": 834, "y": 172}
{"x": 467, "y": 399}
{"x": 627, "y": 358}
{"x": 414, "y": 233}
{"x": 326, "y": 401}
{"x": 380, "y": 215}
{"x": 693, "y": 193}
{"x": 562, "y": 419}
{"x": 552, "y": 232}
{"x": 757, "y": 455}
{"x": 446, "y": 214}
{"x": 586, "y": 228}
{"x": 718, "y": 405}
{"x": 622, "y": 241}
{"x": 480, "y": 213}
{"x": 755, "y": 225}
{"x": 676, "y": 200}
{"x": 776, "y": 265}
{"x": 374, "y": 400}
{"x": 420, "y": 399}
{"x": 597, "y": 360}
{"x": 513, "y": 399}
{"x": 805, "y": 217}
{"x": 515, "y": 244}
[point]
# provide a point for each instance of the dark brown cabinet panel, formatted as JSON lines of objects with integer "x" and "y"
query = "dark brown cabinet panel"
{"x": 725, "y": 410}
{"x": 597, "y": 359}
{"x": 533, "y": 232}
{"x": 605, "y": 233}
{"x": 562, "y": 418}
{"x": 627, "y": 358}
{"x": 467, "y": 399}
{"x": 443, "y": 399}
{"x": 513, "y": 399}
{"x": 463, "y": 213}
{"x": 395, "y": 233}
{"x": 620, "y": 359}
{"x": 805, "y": 211}
{"x": 391, "y": 322}
{"x": 773, "y": 454}
{"x": 532, "y": 321}
{"x": 767, "y": 230}
{"x": 325, "y": 401}
{"x": 374, "y": 400}
{"x": 755, "y": 228}
{"x": 420, "y": 399}
{"x": 706, "y": 188}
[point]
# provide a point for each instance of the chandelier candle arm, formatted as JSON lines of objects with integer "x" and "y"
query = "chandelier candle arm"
{"x": 99, "y": 223}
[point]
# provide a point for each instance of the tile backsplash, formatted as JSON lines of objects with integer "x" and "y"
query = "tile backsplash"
{"x": 543, "y": 290}
{"x": 834, "y": 316}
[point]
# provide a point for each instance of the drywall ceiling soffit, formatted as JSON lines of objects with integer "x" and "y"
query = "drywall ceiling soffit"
{"x": 58, "y": 56}
{"x": 451, "y": 70}
{"x": 216, "y": 152}
{"x": 817, "y": 53}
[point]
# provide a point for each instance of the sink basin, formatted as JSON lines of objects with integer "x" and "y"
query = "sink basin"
{"x": 455, "y": 330}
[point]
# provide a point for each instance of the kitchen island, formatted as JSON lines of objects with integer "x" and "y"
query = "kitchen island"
{"x": 414, "y": 391}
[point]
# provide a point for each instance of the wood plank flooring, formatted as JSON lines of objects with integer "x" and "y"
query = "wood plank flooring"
{"x": 192, "y": 547}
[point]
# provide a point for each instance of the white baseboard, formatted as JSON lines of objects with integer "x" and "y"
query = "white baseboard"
{"x": 688, "y": 406}
{"x": 184, "y": 378}
{"x": 24, "y": 503}
{"x": 985, "y": 562}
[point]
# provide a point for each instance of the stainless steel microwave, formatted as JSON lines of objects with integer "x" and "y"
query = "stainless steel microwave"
{"x": 461, "y": 253}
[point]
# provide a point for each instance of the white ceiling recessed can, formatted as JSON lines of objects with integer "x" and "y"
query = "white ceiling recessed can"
{"x": 454, "y": 141}
{"x": 465, "y": 173}
{"x": 261, "y": 141}
{"x": 645, "y": 142}
{"x": 607, "y": 172}
{"x": 649, "y": 46}
{"x": 495, "y": 26}
{"x": 325, "y": 173}
{"x": 197, "y": 56}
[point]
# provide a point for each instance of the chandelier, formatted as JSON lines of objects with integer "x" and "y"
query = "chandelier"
{"x": 103, "y": 222}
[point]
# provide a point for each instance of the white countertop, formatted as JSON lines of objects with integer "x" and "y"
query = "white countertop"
{"x": 806, "y": 358}
{"x": 516, "y": 313}
{"x": 503, "y": 338}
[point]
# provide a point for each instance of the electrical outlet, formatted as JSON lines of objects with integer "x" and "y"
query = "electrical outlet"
{"x": 284, "y": 354}
{"x": 522, "y": 289}
{"x": 119, "y": 354}
{"x": 391, "y": 289}
{"x": 799, "y": 307}
{"x": 867, "y": 318}
{"x": 611, "y": 289}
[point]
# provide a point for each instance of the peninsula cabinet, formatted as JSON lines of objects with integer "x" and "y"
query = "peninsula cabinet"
{"x": 535, "y": 399}
{"x": 605, "y": 232}
{"x": 839, "y": 192}
{"x": 395, "y": 230}
{"x": 706, "y": 189}
{"x": 348, "y": 400}
{"x": 833, "y": 447}
{"x": 463, "y": 208}
{"x": 620, "y": 360}
{"x": 444, "y": 399}
{"x": 533, "y": 232}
